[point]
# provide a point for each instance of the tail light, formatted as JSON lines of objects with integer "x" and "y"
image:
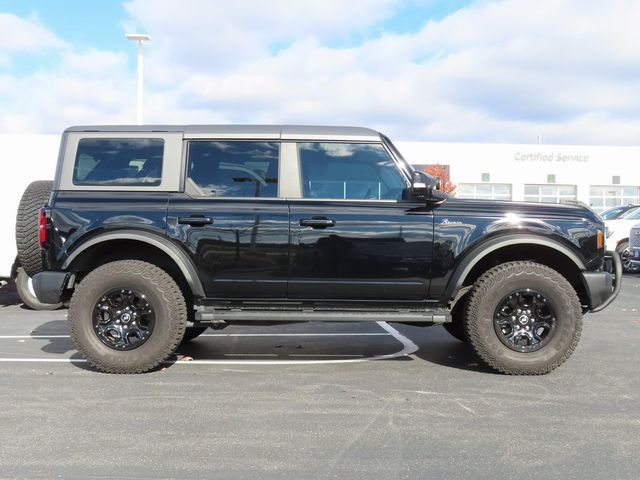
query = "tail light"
{"x": 42, "y": 228}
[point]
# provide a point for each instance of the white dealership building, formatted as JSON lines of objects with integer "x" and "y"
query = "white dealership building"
{"x": 599, "y": 176}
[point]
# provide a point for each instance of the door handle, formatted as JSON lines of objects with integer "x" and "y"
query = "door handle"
{"x": 195, "y": 221}
{"x": 317, "y": 222}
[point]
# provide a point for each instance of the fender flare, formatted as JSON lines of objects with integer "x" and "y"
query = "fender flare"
{"x": 181, "y": 259}
{"x": 477, "y": 253}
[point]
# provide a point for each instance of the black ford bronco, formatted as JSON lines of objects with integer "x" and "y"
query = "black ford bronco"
{"x": 154, "y": 233}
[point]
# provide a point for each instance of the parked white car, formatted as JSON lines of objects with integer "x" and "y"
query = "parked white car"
{"x": 634, "y": 245}
{"x": 618, "y": 236}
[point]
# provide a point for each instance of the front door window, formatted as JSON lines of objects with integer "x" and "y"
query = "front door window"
{"x": 349, "y": 171}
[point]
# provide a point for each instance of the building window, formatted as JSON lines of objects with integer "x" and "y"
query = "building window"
{"x": 485, "y": 177}
{"x": 615, "y": 179}
{"x": 551, "y": 178}
{"x": 602, "y": 197}
{"x": 492, "y": 191}
{"x": 549, "y": 193}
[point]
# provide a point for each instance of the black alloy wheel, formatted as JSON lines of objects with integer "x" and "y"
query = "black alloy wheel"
{"x": 123, "y": 319}
{"x": 525, "y": 320}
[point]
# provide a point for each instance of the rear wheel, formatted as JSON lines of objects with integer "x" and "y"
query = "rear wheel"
{"x": 127, "y": 316}
{"x": 523, "y": 318}
{"x": 24, "y": 286}
{"x": 36, "y": 195}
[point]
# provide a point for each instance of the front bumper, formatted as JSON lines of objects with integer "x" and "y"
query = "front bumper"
{"x": 48, "y": 286}
{"x": 634, "y": 256}
{"x": 604, "y": 286}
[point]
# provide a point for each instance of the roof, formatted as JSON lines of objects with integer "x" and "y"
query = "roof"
{"x": 283, "y": 132}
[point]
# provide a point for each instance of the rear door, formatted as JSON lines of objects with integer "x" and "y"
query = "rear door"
{"x": 231, "y": 220}
{"x": 352, "y": 236}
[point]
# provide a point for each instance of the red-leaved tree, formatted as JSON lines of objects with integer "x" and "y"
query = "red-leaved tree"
{"x": 441, "y": 172}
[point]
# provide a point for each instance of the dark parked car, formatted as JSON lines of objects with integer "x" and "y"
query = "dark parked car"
{"x": 154, "y": 233}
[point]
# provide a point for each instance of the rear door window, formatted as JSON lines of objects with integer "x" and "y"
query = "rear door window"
{"x": 234, "y": 169}
{"x": 126, "y": 162}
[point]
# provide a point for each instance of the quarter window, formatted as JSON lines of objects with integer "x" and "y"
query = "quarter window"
{"x": 234, "y": 169}
{"x": 351, "y": 171}
{"x": 125, "y": 162}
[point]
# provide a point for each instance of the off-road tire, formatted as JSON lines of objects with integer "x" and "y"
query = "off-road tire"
{"x": 193, "y": 332}
{"x": 165, "y": 297}
{"x": 28, "y": 297}
{"x": 499, "y": 282}
{"x": 36, "y": 195}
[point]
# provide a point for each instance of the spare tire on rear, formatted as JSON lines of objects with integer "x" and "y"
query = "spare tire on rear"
{"x": 35, "y": 196}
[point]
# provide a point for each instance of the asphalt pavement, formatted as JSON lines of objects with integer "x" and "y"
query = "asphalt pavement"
{"x": 319, "y": 401}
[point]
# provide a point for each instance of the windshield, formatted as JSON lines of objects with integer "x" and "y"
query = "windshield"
{"x": 612, "y": 213}
{"x": 632, "y": 213}
{"x": 404, "y": 165}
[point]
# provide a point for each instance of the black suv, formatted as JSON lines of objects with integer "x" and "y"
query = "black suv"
{"x": 154, "y": 233}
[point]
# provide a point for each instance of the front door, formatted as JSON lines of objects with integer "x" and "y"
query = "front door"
{"x": 352, "y": 237}
{"x": 231, "y": 220}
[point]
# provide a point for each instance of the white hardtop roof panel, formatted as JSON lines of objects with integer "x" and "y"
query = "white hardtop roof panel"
{"x": 275, "y": 132}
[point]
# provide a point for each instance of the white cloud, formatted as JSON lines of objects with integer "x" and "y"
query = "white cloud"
{"x": 495, "y": 71}
{"x": 91, "y": 87}
{"x": 24, "y": 36}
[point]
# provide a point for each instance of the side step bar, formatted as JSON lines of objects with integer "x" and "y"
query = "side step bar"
{"x": 206, "y": 314}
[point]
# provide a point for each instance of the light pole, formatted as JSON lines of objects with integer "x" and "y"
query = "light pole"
{"x": 140, "y": 38}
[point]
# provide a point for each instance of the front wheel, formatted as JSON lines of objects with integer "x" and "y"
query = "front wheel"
{"x": 523, "y": 318}
{"x": 625, "y": 256}
{"x": 127, "y": 316}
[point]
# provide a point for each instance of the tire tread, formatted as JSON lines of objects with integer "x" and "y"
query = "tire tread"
{"x": 172, "y": 297}
{"x": 487, "y": 282}
{"x": 35, "y": 196}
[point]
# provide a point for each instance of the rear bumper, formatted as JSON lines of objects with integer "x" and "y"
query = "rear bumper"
{"x": 604, "y": 286}
{"x": 48, "y": 286}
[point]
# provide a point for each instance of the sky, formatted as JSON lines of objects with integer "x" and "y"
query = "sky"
{"x": 506, "y": 71}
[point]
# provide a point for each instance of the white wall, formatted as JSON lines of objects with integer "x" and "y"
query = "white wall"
{"x": 24, "y": 158}
{"x": 530, "y": 164}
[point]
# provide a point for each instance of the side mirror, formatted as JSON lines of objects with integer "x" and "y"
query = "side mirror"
{"x": 422, "y": 187}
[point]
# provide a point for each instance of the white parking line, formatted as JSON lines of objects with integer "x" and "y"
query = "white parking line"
{"x": 408, "y": 347}
{"x": 10, "y": 337}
